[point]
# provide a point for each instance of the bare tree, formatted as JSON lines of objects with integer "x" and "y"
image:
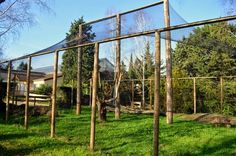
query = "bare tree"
{"x": 16, "y": 14}
{"x": 229, "y": 6}
{"x": 142, "y": 23}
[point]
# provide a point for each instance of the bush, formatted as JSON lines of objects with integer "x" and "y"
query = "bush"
{"x": 44, "y": 89}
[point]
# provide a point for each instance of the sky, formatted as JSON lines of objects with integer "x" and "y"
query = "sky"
{"x": 52, "y": 27}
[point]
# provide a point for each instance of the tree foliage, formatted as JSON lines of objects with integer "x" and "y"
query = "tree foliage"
{"x": 208, "y": 51}
{"x": 70, "y": 57}
{"x": 23, "y": 66}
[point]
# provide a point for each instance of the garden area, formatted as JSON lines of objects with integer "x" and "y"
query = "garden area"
{"x": 131, "y": 135}
{"x": 140, "y": 82}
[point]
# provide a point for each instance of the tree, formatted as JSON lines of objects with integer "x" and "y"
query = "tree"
{"x": 131, "y": 70}
{"x": 209, "y": 51}
{"x": 70, "y": 58}
{"x": 16, "y": 14}
{"x": 23, "y": 66}
{"x": 229, "y": 6}
{"x": 149, "y": 62}
{"x": 216, "y": 56}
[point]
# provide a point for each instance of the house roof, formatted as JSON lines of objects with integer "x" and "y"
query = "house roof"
{"x": 105, "y": 65}
{"x": 48, "y": 77}
{"x": 21, "y": 75}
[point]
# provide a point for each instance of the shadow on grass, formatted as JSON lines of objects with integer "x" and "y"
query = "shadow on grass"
{"x": 225, "y": 147}
{"x": 13, "y": 136}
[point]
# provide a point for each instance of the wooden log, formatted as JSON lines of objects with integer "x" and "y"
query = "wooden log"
{"x": 221, "y": 94}
{"x": 118, "y": 51}
{"x": 79, "y": 71}
{"x": 157, "y": 94}
{"x": 194, "y": 96}
{"x": 169, "y": 88}
{"x": 94, "y": 95}
{"x": 26, "y": 123}
{"x": 150, "y": 95}
{"x": 8, "y": 90}
{"x": 54, "y": 95}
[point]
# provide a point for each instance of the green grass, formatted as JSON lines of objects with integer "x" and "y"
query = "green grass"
{"x": 132, "y": 135}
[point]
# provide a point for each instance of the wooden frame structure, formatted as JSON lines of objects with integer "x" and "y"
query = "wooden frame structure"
{"x": 119, "y": 37}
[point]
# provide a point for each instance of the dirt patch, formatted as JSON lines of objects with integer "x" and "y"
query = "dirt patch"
{"x": 207, "y": 118}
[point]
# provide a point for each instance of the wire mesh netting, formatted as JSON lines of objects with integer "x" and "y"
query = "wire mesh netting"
{"x": 207, "y": 52}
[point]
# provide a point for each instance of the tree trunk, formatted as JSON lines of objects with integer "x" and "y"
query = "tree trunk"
{"x": 117, "y": 101}
{"x": 169, "y": 89}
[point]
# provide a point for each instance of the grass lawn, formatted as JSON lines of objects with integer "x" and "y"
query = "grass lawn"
{"x": 132, "y": 135}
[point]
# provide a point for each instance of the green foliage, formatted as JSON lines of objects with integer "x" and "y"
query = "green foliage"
{"x": 43, "y": 89}
{"x": 182, "y": 92}
{"x": 131, "y": 70}
{"x": 23, "y": 66}
{"x": 70, "y": 57}
{"x": 149, "y": 62}
{"x": 229, "y": 107}
{"x": 209, "y": 51}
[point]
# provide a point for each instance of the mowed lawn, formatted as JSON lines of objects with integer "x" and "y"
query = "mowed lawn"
{"x": 131, "y": 135}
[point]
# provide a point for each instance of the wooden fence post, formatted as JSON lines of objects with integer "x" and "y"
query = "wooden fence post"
{"x": 118, "y": 51}
{"x": 94, "y": 95}
{"x": 90, "y": 92}
{"x": 194, "y": 96}
{"x": 26, "y": 124}
{"x": 221, "y": 94}
{"x": 132, "y": 93}
{"x": 8, "y": 90}
{"x": 157, "y": 94}
{"x": 79, "y": 71}
{"x": 150, "y": 94}
{"x": 169, "y": 88}
{"x": 54, "y": 95}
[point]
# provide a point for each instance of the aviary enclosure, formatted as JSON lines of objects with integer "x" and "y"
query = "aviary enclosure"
{"x": 129, "y": 72}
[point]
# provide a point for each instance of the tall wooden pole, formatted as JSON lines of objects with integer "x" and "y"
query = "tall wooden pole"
{"x": 169, "y": 88}
{"x": 150, "y": 94}
{"x": 79, "y": 71}
{"x": 143, "y": 84}
{"x": 26, "y": 124}
{"x": 157, "y": 94}
{"x": 221, "y": 94}
{"x": 94, "y": 95}
{"x": 54, "y": 95}
{"x": 8, "y": 90}
{"x": 132, "y": 93}
{"x": 194, "y": 96}
{"x": 90, "y": 92}
{"x": 118, "y": 33}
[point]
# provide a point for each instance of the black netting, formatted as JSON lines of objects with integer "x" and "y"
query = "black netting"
{"x": 100, "y": 30}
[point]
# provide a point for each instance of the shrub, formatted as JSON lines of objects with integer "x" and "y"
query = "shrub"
{"x": 44, "y": 89}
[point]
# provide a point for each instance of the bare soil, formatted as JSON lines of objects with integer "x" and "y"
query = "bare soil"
{"x": 206, "y": 118}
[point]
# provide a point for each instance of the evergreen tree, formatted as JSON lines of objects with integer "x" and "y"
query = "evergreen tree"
{"x": 131, "y": 72}
{"x": 23, "y": 66}
{"x": 70, "y": 57}
{"x": 149, "y": 64}
{"x": 208, "y": 51}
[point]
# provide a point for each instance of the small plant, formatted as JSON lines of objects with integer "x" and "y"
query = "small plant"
{"x": 44, "y": 89}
